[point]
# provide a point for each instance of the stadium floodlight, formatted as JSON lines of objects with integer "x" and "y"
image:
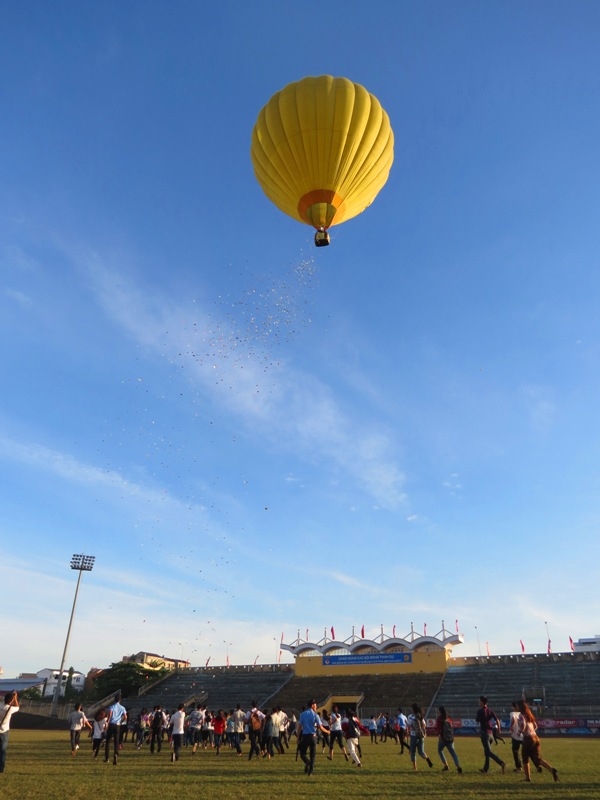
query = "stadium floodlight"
{"x": 80, "y": 563}
{"x": 83, "y": 563}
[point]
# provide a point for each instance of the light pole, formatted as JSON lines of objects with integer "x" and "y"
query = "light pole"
{"x": 82, "y": 564}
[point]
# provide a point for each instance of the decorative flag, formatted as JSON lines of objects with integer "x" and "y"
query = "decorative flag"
{"x": 255, "y": 660}
{"x": 282, "y": 637}
{"x": 332, "y": 633}
{"x": 424, "y": 629}
{"x": 457, "y": 626}
{"x": 549, "y": 646}
{"x": 362, "y": 632}
{"x": 207, "y": 660}
{"x": 279, "y": 658}
{"x": 571, "y": 643}
{"x": 487, "y": 648}
{"x": 227, "y": 660}
{"x": 394, "y": 632}
{"x": 522, "y": 646}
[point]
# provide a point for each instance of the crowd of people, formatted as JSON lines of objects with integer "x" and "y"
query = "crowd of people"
{"x": 268, "y": 733}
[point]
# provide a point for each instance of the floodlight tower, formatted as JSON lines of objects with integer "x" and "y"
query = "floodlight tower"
{"x": 82, "y": 564}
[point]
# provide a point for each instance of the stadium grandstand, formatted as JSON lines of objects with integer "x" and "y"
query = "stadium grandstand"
{"x": 382, "y": 674}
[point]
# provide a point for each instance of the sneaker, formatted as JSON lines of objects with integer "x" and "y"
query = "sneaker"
{"x": 76, "y": 747}
{"x": 429, "y": 762}
{"x": 115, "y": 760}
{"x": 459, "y": 770}
{"x": 555, "y": 774}
{"x": 483, "y": 771}
{"x": 346, "y": 755}
{"x": 445, "y": 768}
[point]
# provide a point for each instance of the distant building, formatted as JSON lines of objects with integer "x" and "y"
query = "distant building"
{"x": 20, "y": 684}
{"x": 154, "y": 661}
{"x": 591, "y": 645}
{"x": 50, "y": 677}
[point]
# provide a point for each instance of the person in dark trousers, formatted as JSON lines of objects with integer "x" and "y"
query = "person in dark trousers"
{"x": 10, "y": 707}
{"x": 157, "y": 725}
{"x": 308, "y": 724}
{"x": 485, "y": 719}
{"x": 115, "y": 716}
{"x": 516, "y": 737}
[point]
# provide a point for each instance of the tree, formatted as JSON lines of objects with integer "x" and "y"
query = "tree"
{"x": 70, "y": 693}
{"x": 125, "y": 677}
{"x": 33, "y": 693}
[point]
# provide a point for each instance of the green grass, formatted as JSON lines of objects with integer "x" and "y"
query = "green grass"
{"x": 39, "y": 765}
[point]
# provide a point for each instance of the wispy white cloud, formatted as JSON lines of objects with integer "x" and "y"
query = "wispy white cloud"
{"x": 20, "y": 298}
{"x": 349, "y": 580}
{"x": 270, "y": 397}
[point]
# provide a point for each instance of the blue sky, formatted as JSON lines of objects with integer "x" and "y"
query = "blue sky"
{"x": 253, "y": 436}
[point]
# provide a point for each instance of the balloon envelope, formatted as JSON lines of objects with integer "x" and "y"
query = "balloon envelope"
{"x": 322, "y": 148}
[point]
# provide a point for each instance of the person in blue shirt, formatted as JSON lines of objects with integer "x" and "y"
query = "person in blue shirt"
{"x": 116, "y": 715}
{"x": 309, "y": 723}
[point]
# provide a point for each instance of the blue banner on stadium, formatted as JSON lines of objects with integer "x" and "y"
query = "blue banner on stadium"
{"x": 367, "y": 658}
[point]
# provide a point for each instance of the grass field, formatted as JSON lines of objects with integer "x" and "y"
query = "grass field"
{"x": 39, "y": 766}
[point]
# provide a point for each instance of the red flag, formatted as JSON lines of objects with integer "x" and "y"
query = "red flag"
{"x": 487, "y": 647}
{"x": 362, "y": 632}
{"x": 227, "y": 660}
{"x": 522, "y": 646}
{"x": 571, "y": 643}
{"x": 457, "y": 626}
{"x": 549, "y": 646}
{"x": 279, "y": 658}
{"x": 332, "y": 633}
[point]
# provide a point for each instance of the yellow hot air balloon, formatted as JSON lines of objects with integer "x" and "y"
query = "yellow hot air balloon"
{"x": 322, "y": 148}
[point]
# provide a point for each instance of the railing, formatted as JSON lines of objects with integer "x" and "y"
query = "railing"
{"x": 45, "y": 709}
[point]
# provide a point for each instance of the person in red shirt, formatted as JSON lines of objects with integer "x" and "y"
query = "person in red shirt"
{"x": 219, "y": 723}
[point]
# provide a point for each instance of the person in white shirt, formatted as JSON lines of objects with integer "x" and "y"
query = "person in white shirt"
{"x": 10, "y": 707}
{"x": 283, "y": 728}
{"x": 178, "y": 723}
{"x": 516, "y": 737}
{"x": 99, "y": 731}
{"x": 239, "y": 723}
{"x": 77, "y": 722}
{"x": 335, "y": 733}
